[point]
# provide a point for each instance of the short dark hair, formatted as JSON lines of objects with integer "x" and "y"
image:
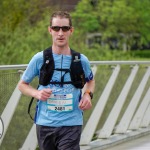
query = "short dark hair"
{"x": 61, "y": 14}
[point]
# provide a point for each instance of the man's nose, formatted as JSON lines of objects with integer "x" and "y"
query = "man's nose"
{"x": 60, "y": 32}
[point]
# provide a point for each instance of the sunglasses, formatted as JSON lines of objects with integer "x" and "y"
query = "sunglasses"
{"x": 64, "y": 28}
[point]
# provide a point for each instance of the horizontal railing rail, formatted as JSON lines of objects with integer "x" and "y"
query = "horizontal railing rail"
{"x": 23, "y": 66}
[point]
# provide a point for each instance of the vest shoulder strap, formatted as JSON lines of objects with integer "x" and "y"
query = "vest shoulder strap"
{"x": 77, "y": 72}
{"x": 47, "y": 69}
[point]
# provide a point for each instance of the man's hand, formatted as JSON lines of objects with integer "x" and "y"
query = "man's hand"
{"x": 28, "y": 90}
{"x": 85, "y": 102}
{"x": 43, "y": 94}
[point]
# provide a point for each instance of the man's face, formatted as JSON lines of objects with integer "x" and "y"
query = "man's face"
{"x": 60, "y": 31}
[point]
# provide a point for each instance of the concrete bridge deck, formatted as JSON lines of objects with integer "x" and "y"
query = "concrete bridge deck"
{"x": 142, "y": 143}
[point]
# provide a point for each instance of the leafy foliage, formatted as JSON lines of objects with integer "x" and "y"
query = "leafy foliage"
{"x": 23, "y": 37}
{"x": 123, "y": 19}
{"x": 24, "y": 27}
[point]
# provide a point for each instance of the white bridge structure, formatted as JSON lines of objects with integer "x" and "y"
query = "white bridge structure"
{"x": 121, "y": 106}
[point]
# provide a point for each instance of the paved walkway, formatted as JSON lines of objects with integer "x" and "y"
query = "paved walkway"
{"x": 142, "y": 143}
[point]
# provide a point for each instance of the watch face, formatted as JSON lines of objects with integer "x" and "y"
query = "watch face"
{"x": 91, "y": 95}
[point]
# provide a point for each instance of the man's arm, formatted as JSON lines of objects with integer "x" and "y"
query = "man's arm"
{"x": 28, "y": 90}
{"x": 85, "y": 102}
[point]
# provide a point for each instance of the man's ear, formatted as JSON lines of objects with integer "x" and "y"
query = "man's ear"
{"x": 49, "y": 29}
{"x": 72, "y": 30}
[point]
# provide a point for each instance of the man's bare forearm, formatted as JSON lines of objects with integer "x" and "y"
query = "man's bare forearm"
{"x": 26, "y": 89}
{"x": 90, "y": 85}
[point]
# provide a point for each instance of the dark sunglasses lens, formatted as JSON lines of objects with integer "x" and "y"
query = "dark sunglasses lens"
{"x": 65, "y": 28}
{"x": 55, "y": 28}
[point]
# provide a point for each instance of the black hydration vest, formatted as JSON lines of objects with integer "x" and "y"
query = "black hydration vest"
{"x": 46, "y": 72}
{"x": 76, "y": 70}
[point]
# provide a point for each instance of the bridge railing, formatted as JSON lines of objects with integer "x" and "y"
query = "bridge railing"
{"x": 121, "y": 106}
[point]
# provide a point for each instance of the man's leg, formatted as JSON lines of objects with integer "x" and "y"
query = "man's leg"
{"x": 46, "y": 137}
{"x": 69, "y": 138}
{"x": 59, "y": 138}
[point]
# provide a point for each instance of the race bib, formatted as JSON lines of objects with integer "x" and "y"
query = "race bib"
{"x": 60, "y": 102}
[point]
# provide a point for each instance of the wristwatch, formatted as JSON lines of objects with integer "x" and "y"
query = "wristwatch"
{"x": 90, "y": 93}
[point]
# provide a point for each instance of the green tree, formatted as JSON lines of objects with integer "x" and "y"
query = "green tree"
{"x": 23, "y": 27}
{"x": 122, "y": 19}
{"x": 143, "y": 22}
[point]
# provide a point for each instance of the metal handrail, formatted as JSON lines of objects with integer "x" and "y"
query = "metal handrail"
{"x": 23, "y": 66}
{"x": 8, "y": 67}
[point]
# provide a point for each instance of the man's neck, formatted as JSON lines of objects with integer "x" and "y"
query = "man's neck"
{"x": 61, "y": 50}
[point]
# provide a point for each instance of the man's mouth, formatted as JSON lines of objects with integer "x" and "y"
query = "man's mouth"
{"x": 60, "y": 39}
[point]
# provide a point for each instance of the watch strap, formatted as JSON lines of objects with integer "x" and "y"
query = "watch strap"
{"x": 90, "y": 93}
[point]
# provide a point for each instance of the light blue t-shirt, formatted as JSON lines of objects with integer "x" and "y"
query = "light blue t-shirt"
{"x": 61, "y": 109}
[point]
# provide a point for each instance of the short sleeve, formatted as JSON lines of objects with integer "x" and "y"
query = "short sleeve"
{"x": 33, "y": 68}
{"x": 87, "y": 68}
